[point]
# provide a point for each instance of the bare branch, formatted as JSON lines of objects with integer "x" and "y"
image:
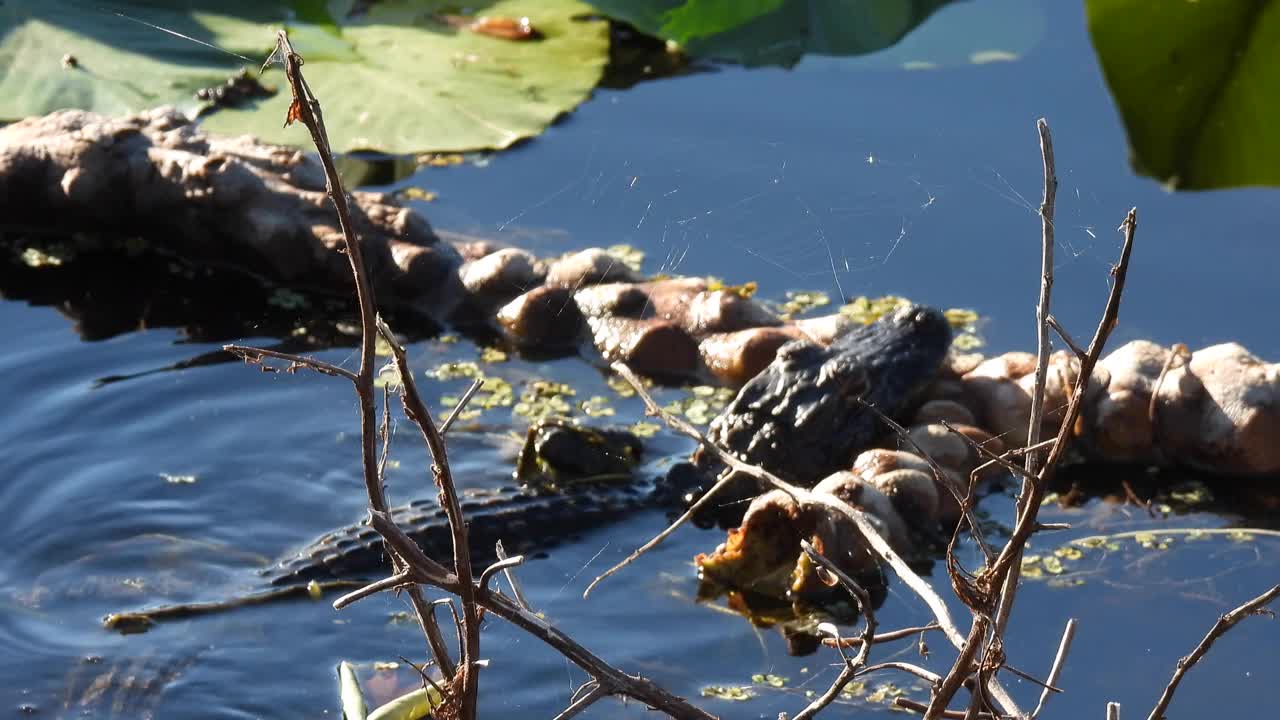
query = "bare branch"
{"x": 583, "y": 703}
{"x": 512, "y": 580}
{"x": 378, "y": 586}
{"x": 975, "y": 529}
{"x": 929, "y": 677}
{"x": 258, "y": 356}
{"x": 1064, "y": 647}
{"x": 500, "y": 566}
{"x": 851, "y": 666}
{"x": 417, "y": 412}
{"x": 882, "y": 637}
{"x": 1066, "y": 337}
{"x": 916, "y": 706}
{"x": 1226, "y": 622}
{"x": 462, "y": 404}
{"x": 804, "y": 497}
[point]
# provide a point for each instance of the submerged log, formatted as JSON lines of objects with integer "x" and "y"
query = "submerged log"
{"x": 217, "y": 201}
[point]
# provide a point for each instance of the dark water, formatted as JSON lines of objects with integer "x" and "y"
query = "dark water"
{"x": 840, "y": 176}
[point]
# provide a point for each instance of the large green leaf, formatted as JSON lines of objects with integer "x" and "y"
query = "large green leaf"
{"x": 121, "y": 65}
{"x": 421, "y": 85}
{"x": 398, "y": 75}
{"x": 774, "y": 32}
{"x": 1198, "y": 85}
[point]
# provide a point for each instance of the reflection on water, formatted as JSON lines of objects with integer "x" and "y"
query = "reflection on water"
{"x": 885, "y": 181}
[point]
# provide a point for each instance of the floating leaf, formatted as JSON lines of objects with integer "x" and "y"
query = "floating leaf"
{"x": 800, "y": 302}
{"x": 287, "y": 299}
{"x": 455, "y": 370}
{"x": 745, "y": 290}
{"x": 596, "y": 406}
{"x": 410, "y": 706}
{"x": 404, "y": 76}
{"x": 621, "y": 386}
{"x": 116, "y": 65}
{"x": 542, "y": 399}
{"x": 867, "y": 310}
{"x": 854, "y": 689}
{"x": 630, "y": 256}
{"x": 771, "y": 680}
{"x": 1067, "y": 552}
{"x": 1151, "y": 541}
{"x": 961, "y": 318}
{"x": 885, "y": 693}
{"x": 399, "y": 76}
{"x": 773, "y": 32}
{"x": 34, "y": 257}
{"x": 728, "y": 692}
{"x": 1195, "y": 83}
{"x": 353, "y": 705}
{"x": 416, "y": 193}
{"x": 645, "y": 429}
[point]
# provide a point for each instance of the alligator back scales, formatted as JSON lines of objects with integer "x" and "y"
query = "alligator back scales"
{"x": 524, "y": 520}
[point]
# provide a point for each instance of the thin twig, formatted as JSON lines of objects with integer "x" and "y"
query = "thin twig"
{"x": 1009, "y": 560}
{"x": 975, "y": 528}
{"x": 1046, "y": 290}
{"x": 1064, "y": 647}
{"x": 961, "y": 669}
{"x": 406, "y": 555}
{"x": 851, "y": 666}
{"x": 929, "y": 677}
{"x": 512, "y": 580}
{"x": 417, "y": 412}
{"x": 462, "y": 404}
{"x": 877, "y": 543}
{"x": 426, "y": 615}
{"x": 882, "y": 637}
{"x": 1226, "y": 622}
{"x": 378, "y": 586}
{"x": 500, "y": 566}
{"x": 917, "y": 706}
{"x": 1009, "y": 589}
{"x": 258, "y": 355}
{"x": 1066, "y": 337}
{"x": 583, "y": 703}
{"x": 615, "y": 680}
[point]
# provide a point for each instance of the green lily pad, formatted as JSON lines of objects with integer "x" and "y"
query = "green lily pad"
{"x": 57, "y": 54}
{"x": 399, "y": 76}
{"x": 417, "y": 83}
{"x": 1195, "y": 83}
{"x": 781, "y": 32}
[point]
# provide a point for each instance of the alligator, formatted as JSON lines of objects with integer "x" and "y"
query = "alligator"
{"x": 803, "y": 417}
{"x": 806, "y": 415}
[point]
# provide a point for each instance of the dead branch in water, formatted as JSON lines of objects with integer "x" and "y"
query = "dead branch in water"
{"x": 1256, "y": 606}
{"x": 411, "y": 568}
{"x": 989, "y": 595}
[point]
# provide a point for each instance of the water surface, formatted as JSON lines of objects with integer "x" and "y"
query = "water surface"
{"x": 866, "y": 180}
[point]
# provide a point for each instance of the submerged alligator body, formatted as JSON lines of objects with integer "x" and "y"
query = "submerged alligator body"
{"x": 525, "y": 520}
{"x": 803, "y": 415}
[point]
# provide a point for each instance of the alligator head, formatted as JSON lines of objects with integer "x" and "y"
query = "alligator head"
{"x": 805, "y": 417}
